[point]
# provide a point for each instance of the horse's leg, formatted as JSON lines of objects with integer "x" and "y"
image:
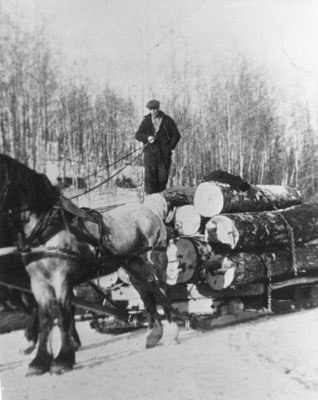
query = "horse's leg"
{"x": 44, "y": 297}
{"x": 65, "y": 359}
{"x": 136, "y": 272}
{"x": 31, "y": 332}
{"x": 4, "y": 294}
{"x": 157, "y": 259}
{"x": 76, "y": 341}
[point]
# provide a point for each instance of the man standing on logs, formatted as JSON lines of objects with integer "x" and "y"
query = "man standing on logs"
{"x": 160, "y": 136}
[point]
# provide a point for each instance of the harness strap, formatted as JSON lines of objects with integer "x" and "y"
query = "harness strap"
{"x": 31, "y": 254}
{"x": 119, "y": 312}
{"x": 149, "y": 248}
{"x": 36, "y": 235}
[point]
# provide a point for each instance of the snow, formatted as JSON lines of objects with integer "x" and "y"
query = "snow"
{"x": 271, "y": 358}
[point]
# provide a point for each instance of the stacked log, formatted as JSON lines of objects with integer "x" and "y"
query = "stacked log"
{"x": 241, "y": 239}
{"x": 213, "y": 198}
{"x": 247, "y": 267}
{"x": 259, "y": 229}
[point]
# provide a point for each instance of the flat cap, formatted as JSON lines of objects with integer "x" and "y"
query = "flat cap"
{"x": 153, "y": 104}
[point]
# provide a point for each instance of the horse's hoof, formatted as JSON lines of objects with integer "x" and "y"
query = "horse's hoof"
{"x": 170, "y": 333}
{"x": 76, "y": 345}
{"x": 154, "y": 337}
{"x": 35, "y": 370}
{"x": 27, "y": 347}
{"x": 39, "y": 366}
{"x": 61, "y": 368}
{"x": 151, "y": 342}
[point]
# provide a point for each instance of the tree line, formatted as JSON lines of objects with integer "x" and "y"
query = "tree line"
{"x": 234, "y": 122}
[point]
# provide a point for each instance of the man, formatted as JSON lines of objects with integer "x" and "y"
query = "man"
{"x": 160, "y": 135}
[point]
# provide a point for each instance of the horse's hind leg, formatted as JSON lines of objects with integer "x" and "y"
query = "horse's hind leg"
{"x": 139, "y": 281}
{"x": 65, "y": 360}
{"x": 158, "y": 258}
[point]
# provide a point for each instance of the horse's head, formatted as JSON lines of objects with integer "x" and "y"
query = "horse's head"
{"x": 22, "y": 187}
{"x": 24, "y": 195}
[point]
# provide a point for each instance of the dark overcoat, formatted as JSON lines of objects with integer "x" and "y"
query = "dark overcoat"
{"x": 166, "y": 138}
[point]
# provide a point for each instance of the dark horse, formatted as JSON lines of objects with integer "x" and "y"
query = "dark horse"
{"x": 59, "y": 251}
{"x": 11, "y": 266}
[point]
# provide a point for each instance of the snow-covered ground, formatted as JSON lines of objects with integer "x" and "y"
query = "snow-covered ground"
{"x": 274, "y": 358}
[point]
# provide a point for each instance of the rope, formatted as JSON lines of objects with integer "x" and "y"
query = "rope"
{"x": 290, "y": 233}
{"x": 111, "y": 177}
{"x": 268, "y": 267}
{"x": 268, "y": 263}
{"x": 291, "y": 238}
{"x": 111, "y": 164}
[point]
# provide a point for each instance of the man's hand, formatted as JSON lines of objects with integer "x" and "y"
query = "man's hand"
{"x": 151, "y": 139}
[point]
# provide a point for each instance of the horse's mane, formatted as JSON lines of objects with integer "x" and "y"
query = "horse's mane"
{"x": 27, "y": 186}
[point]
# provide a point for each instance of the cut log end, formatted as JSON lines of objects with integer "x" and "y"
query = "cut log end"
{"x": 221, "y": 229}
{"x": 220, "y": 281}
{"x": 187, "y": 220}
{"x": 188, "y": 259}
{"x": 208, "y": 199}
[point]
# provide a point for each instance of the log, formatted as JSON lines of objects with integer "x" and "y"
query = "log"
{"x": 178, "y": 196}
{"x": 187, "y": 221}
{"x": 245, "y": 268}
{"x": 305, "y": 280}
{"x": 252, "y": 289}
{"x": 213, "y": 198}
{"x": 203, "y": 290}
{"x": 250, "y": 230}
{"x": 190, "y": 253}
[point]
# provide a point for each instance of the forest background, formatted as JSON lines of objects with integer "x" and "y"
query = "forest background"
{"x": 232, "y": 111}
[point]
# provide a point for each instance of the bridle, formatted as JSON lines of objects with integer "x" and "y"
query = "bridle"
{"x": 17, "y": 218}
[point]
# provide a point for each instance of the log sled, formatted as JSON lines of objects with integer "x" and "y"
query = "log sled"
{"x": 235, "y": 241}
{"x": 237, "y": 251}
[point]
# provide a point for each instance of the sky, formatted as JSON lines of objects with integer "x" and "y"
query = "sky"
{"x": 128, "y": 43}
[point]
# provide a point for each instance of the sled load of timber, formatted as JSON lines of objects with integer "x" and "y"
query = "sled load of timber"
{"x": 232, "y": 242}
{"x": 237, "y": 247}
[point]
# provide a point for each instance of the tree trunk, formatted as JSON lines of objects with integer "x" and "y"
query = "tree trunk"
{"x": 213, "y": 198}
{"x": 244, "y": 231}
{"x": 177, "y": 196}
{"x": 243, "y": 268}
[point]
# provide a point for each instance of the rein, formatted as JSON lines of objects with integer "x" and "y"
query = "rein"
{"x": 112, "y": 176}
